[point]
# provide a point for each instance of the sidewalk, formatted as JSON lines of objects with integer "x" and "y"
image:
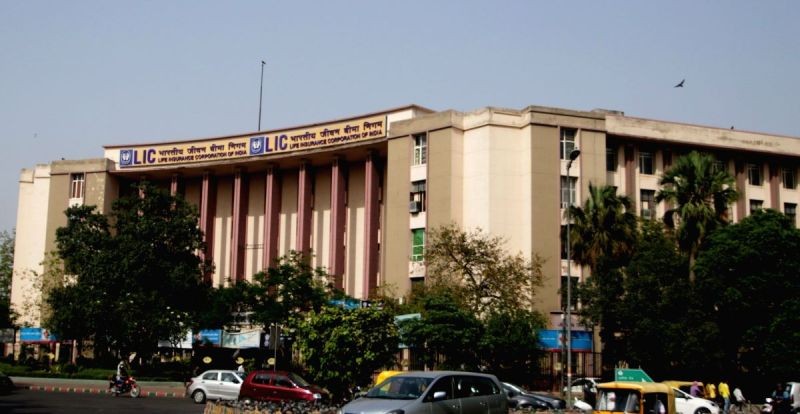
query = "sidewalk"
{"x": 149, "y": 388}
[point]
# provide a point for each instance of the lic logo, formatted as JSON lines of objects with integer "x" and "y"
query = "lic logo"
{"x": 125, "y": 157}
{"x": 256, "y": 145}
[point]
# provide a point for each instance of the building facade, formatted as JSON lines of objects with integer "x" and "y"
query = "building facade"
{"x": 361, "y": 193}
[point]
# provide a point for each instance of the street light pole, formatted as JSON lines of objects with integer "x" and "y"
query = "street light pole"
{"x": 260, "y": 94}
{"x": 573, "y": 155}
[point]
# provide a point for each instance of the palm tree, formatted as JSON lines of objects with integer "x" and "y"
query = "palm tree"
{"x": 604, "y": 229}
{"x": 701, "y": 194}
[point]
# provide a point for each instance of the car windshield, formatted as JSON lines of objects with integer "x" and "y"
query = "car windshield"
{"x": 400, "y": 388}
{"x": 619, "y": 400}
{"x": 298, "y": 380}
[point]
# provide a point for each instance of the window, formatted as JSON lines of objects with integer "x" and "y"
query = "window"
{"x": 789, "y": 178}
{"x": 229, "y": 377}
{"x": 417, "y": 245}
{"x": 444, "y": 384}
{"x": 648, "y": 204}
{"x": 646, "y": 162}
{"x": 611, "y": 158}
{"x": 756, "y": 205}
{"x": 417, "y": 198}
{"x": 567, "y": 142}
{"x": 790, "y": 209}
{"x": 420, "y": 149}
{"x": 563, "y": 242}
{"x": 718, "y": 166}
{"x": 754, "y": 174}
{"x": 77, "y": 186}
{"x": 210, "y": 376}
{"x": 564, "y": 292}
{"x": 567, "y": 191}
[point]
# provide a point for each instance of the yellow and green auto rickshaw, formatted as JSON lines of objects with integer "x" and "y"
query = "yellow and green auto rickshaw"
{"x": 634, "y": 398}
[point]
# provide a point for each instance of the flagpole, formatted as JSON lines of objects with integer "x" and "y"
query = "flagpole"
{"x": 260, "y": 94}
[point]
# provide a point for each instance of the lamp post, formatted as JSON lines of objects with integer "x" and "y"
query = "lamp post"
{"x": 573, "y": 155}
{"x": 260, "y": 94}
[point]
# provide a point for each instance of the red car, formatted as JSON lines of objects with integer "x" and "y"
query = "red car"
{"x": 278, "y": 386}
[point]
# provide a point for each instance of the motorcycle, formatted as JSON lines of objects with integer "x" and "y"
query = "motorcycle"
{"x": 126, "y": 385}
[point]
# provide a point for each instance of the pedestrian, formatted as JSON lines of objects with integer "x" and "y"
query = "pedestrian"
{"x": 725, "y": 394}
{"x": 711, "y": 391}
{"x": 694, "y": 390}
{"x": 738, "y": 398}
{"x": 780, "y": 399}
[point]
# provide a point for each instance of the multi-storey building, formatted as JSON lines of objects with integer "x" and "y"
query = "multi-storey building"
{"x": 362, "y": 192}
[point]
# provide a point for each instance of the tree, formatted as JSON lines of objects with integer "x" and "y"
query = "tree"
{"x": 288, "y": 289}
{"x": 342, "y": 348}
{"x": 477, "y": 269}
{"x": 509, "y": 346}
{"x": 446, "y": 334}
{"x": 130, "y": 285}
{"x": 701, "y": 193}
{"x": 603, "y": 229}
{"x": 747, "y": 276}
{"x": 6, "y": 274}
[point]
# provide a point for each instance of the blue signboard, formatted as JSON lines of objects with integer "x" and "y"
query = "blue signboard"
{"x": 35, "y": 335}
{"x": 212, "y": 336}
{"x": 349, "y": 304}
{"x": 552, "y": 340}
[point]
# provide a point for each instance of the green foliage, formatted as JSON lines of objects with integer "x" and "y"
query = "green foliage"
{"x": 6, "y": 274}
{"x": 447, "y": 334}
{"x": 479, "y": 272}
{"x": 134, "y": 283}
{"x": 342, "y": 348}
{"x": 289, "y": 289}
{"x": 701, "y": 193}
{"x": 605, "y": 228}
{"x": 747, "y": 276}
{"x": 509, "y": 344}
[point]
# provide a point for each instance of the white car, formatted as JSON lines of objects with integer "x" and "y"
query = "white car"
{"x": 686, "y": 404}
{"x": 215, "y": 384}
{"x": 581, "y": 384}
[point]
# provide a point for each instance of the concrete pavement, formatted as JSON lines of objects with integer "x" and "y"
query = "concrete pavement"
{"x": 149, "y": 388}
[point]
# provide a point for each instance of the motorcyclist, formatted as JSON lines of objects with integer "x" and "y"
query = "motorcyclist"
{"x": 122, "y": 373}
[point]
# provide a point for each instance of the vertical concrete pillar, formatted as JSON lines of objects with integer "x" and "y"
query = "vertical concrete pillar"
{"x": 208, "y": 206}
{"x": 774, "y": 186}
{"x": 741, "y": 186}
{"x": 173, "y": 185}
{"x": 304, "y": 203}
{"x": 272, "y": 210}
{"x": 238, "y": 228}
{"x": 371, "y": 223}
{"x": 338, "y": 190}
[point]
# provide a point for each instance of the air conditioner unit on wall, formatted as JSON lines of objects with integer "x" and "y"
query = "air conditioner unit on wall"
{"x": 415, "y": 206}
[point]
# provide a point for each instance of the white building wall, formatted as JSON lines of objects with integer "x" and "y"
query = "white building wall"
{"x": 29, "y": 246}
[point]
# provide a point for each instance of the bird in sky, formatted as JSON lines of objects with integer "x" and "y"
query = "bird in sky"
{"x": 680, "y": 84}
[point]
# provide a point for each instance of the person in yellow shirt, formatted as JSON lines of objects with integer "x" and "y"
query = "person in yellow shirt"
{"x": 725, "y": 393}
{"x": 711, "y": 391}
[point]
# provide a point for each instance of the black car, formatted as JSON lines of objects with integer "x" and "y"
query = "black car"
{"x": 6, "y": 385}
{"x": 523, "y": 399}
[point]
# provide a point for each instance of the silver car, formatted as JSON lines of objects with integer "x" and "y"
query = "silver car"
{"x": 215, "y": 384}
{"x": 433, "y": 392}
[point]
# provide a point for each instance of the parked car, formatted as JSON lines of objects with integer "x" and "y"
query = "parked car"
{"x": 686, "y": 404}
{"x": 686, "y": 386}
{"x": 215, "y": 384}
{"x": 418, "y": 392}
{"x": 6, "y": 385}
{"x": 521, "y": 398}
{"x": 794, "y": 394}
{"x": 279, "y": 386}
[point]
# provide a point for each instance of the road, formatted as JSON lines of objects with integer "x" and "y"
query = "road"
{"x": 36, "y": 402}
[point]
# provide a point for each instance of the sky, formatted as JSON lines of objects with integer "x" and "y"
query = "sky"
{"x": 78, "y": 75}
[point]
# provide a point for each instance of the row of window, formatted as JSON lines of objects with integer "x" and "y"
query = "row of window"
{"x": 754, "y": 171}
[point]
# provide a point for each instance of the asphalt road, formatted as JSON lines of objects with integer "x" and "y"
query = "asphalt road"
{"x": 37, "y": 402}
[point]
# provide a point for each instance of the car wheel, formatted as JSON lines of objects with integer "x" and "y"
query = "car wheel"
{"x": 702, "y": 410}
{"x": 199, "y": 397}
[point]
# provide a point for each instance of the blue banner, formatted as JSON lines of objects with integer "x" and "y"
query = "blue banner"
{"x": 553, "y": 340}
{"x": 35, "y": 335}
{"x": 212, "y": 336}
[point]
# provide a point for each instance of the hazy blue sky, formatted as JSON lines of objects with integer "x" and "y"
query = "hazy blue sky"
{"x": 77, "y": 75}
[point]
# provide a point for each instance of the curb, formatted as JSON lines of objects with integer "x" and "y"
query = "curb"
{"x": 98, "y": 391}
